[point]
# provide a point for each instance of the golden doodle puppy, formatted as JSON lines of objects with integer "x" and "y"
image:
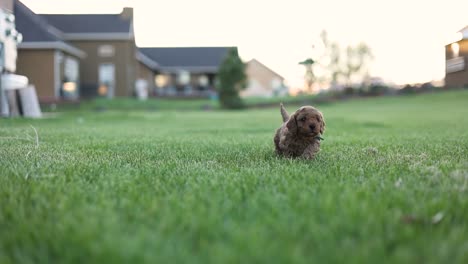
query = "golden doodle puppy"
{"x": 300, "y": 134}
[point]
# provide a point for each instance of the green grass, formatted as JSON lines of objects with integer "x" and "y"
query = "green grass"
{"x": 152, "y": 104}
{"x": 389, "y": 186}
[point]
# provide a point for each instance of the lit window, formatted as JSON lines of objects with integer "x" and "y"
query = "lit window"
{"x": 183, "y": 78}
{"x": 203, "y": 80}
{"x": 455, "y": 49}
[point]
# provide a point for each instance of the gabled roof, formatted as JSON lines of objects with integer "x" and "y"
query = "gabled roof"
{"x": 80, "y": 25}
{"x": 38, "y": 34}
{"x": 32, "y": 26}
{"x": 264, "y": 66}
{"x": 192, "y": 59}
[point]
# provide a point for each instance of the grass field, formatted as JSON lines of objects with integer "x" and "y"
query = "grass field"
{"x": 389, "y": 186}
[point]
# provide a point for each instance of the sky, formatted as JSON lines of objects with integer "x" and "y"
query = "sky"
{"x": 407, "y": 37}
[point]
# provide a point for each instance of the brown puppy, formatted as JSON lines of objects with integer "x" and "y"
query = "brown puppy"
{"x": 300, "y": 134}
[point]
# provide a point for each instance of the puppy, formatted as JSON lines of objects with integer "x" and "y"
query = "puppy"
{"x": 300, "y": 134}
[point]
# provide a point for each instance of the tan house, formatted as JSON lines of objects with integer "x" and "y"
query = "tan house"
{"x": 81, "y": 55}
{"x": 263, "y": 81}
{"x": 456, "y": 59}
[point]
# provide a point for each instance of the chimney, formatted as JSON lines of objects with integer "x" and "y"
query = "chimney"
{"x": 127, "y": 13}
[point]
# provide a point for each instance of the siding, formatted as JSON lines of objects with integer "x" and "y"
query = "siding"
{"x": 123, "y": 59}
{"x": 143, "y": 72}
{"x": 38, "y": 66}
{"x": 460, "y": 78}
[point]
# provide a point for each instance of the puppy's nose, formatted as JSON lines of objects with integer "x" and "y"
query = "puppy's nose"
{"x": 312, "y": 127}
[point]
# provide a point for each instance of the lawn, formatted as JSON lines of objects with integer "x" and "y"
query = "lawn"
{"x": 389, "y": 186}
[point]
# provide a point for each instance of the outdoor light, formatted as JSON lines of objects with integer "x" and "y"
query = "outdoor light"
{"x": 161, "y": 80}
{"x": 69, "y": 87}
{"x": 102, "y": 90}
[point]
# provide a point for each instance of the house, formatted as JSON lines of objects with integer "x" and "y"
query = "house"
{"x": 87, "y": 55}
{"x": 456, "y": 58}
{"x": 50, "y": 63}
{"x": 81, "y": 55}
{"x": 186, "y": 71}
{"x": 263, "y": 81}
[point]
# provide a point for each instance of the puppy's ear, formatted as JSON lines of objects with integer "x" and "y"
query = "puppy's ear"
{"x": 292, "y": 123}
{"x": 284, "y": 113}
{"x": 322, "y": 125}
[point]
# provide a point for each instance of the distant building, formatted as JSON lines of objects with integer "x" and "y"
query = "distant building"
{"x": 263, "y": 81}
{"x": 94, "y": 55}
{"x": 456, "y": 58}
{"x": 186, "y": 71}
{"x": 44, "y": 56}
{"x": 71, "y": 56}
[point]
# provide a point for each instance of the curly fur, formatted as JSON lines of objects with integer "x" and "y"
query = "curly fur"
{"x": 299, "y": 136}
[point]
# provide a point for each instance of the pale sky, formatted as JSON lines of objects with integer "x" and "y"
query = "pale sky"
{"x": 407, "y": 37}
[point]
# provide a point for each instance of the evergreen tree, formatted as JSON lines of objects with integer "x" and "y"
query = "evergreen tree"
{"x": 231, "y": 80}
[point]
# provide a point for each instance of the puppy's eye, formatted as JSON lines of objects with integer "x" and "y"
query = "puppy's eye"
{"x": 303, "y": 119}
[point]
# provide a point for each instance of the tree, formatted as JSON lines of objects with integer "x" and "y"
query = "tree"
{"x": 344, "y": 66}
{"x": 357, "y": 59}
{"x": 309, "y": 76}
{"x": 231, "y": 80}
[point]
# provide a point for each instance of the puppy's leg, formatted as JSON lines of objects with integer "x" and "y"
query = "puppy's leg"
{"x": 284, "y": 113}
{"x": 311, "y": 151}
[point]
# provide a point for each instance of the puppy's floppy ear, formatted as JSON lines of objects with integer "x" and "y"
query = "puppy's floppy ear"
{"x": 292, "y": 122}
{"x": 322, "y": 125}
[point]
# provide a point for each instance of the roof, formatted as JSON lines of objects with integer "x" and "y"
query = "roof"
{"x": 193, "y": 59}
{"x": 147, "y": 61}
{"x": 32, "y": 26}
{"x": 82, "y": 26}
{"x": 38, "y": 34}
{"x": 464, "y": 32}
{"x": 264, "y": 66}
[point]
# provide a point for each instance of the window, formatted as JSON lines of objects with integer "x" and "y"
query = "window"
{"x": 70, "y": 78}
{"x": 106, "y": 51}
{"x": 183, "y": 78}
{"x": 203, "y": 80}
{"x": 106, "y": 80}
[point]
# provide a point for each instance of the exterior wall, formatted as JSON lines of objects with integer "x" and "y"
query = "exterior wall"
{"x": 260, "y": 80}
{"x": 7, "y": 5}
{"x": 38, "y": 66}
{"x": 123, "y": 58}
{"x": 145, "y": 73}
{"x": 459, "y": 78}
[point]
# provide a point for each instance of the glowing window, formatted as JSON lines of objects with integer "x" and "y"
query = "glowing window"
{"x": 455, "y": 49}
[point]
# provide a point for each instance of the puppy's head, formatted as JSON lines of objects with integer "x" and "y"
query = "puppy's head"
{"x": 306, "y": 122}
